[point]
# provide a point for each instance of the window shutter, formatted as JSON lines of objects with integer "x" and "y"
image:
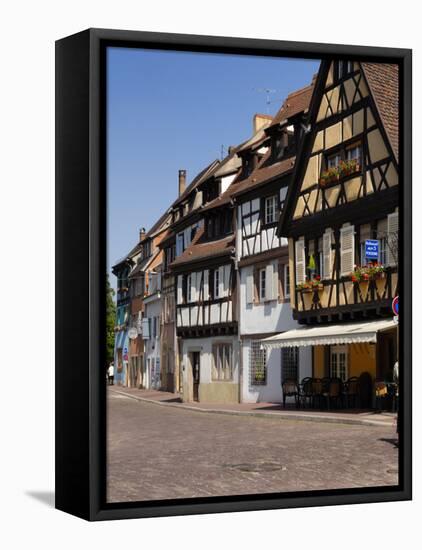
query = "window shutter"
{"x": 226, "y": 279}
{"x": 327, "y": 255}
{"x": 269, "y": 286}
{"x": 300, "y": 261}
{"x": 275, "y": 282}
{"x": 145, "y": 328}
{"x": 347, "y": 249}
{"x": 180, "y": 289}
{"x": 193, "y": 287}
{"x": 392, "y": 238}
{"x": 206, "y": 285}
{"x": 221, "y": 281}
{"x": 198, "y": 285}
{"x": 249, "y": 289}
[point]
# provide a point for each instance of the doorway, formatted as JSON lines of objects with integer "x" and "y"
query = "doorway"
{"x": 195, "y": 362}
{"x": 339, "y": 362}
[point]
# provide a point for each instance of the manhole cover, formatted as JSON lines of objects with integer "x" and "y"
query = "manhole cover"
{"x": 256, "y": 467}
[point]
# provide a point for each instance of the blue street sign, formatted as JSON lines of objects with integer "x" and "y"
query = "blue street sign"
{"x": 371, "y": 249}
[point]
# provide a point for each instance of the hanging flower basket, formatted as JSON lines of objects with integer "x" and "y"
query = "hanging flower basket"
{"x": 310, "y": 285}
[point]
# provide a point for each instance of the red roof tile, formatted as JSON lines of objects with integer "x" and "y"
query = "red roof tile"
{"x": 383, "y": 81}
{"x": 200, "y": 249}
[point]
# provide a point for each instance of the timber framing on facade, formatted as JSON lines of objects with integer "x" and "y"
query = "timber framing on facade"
{"x": 271, "y": 237}
{"x": 344, "y": 193}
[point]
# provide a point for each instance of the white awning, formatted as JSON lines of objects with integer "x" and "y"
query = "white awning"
{"x": 348, "y": 333}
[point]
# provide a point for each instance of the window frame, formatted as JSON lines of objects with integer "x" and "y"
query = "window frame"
{"x": 222, "y": 351}
{"x": 286, "y": 282}
{"x": 261, "y": 296}
{"x": 270, "y": 200}
{"x": 257, "y": 355}
{"x": 216, "y": 284}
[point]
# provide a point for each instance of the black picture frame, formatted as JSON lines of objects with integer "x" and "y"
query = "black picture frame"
{"x": 81, "y": 261}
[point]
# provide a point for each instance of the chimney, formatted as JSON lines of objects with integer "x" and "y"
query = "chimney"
{"x": 142, "y": 234}
{"x": 261, "y": 121}
{"x": 182, "y": 181}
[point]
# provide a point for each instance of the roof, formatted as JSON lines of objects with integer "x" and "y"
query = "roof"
{"x": 141, "y": 266}
{"x": 264, "y": 173}
{"x": 199, "y": 178}
{"x": 383, "y": 81}
{"x": 200, "y": 249}
{"x": 295, "y": 103}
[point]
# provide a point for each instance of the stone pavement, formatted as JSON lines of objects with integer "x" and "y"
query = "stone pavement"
{"x": 162, "y": 452}
{"x": 350, "y": 416}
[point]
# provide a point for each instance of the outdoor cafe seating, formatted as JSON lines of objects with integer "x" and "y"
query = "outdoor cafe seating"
{"x": 333, "y": 393}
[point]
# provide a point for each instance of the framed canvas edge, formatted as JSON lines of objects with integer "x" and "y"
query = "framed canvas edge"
{"x": 96, "y": 508}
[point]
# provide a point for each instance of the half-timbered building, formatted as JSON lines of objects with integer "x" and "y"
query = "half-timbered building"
{"x": 341, "y": 219}
{"x": 262, "y": 256}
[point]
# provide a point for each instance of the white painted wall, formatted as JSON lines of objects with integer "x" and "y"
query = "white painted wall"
{"x": 267, "y": 317}
{"x": 204, "y": 346}
{"x": 270, "y": 316}
{"x": 152, "y": 346}
{"x": 271, "y": 392}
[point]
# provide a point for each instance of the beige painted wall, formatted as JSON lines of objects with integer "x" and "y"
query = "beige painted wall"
{"x": 219, "y": 392}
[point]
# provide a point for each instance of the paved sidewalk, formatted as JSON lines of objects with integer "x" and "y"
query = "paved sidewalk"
{"x": 271, "y": 410}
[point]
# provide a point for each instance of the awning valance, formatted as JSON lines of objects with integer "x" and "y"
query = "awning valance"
{"x": 347, "y": 333}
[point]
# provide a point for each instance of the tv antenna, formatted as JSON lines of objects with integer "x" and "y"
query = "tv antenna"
{"x": 268, "y": 92}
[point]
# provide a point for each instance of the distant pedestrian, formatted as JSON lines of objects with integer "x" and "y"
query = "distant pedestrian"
{"x": 110, "y": 373}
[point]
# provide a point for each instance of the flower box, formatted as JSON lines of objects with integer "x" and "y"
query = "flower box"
{"x": 335, "y": 173}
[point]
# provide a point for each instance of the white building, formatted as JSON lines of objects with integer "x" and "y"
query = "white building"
{"x": 263, "y": 258}
{"x": 151, "y": 331}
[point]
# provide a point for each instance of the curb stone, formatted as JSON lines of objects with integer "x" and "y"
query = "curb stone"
{"x": 284, "y": 416}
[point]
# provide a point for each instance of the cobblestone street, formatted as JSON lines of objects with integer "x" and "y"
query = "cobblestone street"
{"x": 156, "y": 452}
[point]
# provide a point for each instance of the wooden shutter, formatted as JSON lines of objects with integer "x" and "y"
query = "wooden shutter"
{"x": 180, "y": 289}
{"x": 269, "y": 284}
{"x": 300, "y": 261}
{"x": 392, "y": 238}
{"x": 347, "y": 249}
{"x": 193, "y": 287}
{"x": 326, "y": 255}
{"x": 206, "y": 285}
{"x": 227, "y": 269}
{"x": 221, "y": 281}
{"x": 145, "y": 328}
{"x": 249, "y": 289}
{"x": 199, "y": 275}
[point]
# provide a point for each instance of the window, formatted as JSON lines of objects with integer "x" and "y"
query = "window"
{"x": 216, "y": 283}
{"x": 333, "y": 160}
{"x": 342, "y": 69}
{"x": 289, "y": 363}
{"x": 262, "y": 284}
{"x": 349, "y": 153}
{"x": 270, "y": 209}
{"x": 258, "y": 364}
{"x": 382, "y": 258}
{"x": 286, "y": 281}
{"x": 354, "y": 152}
{"x": 338, "y": 362}
{"x": 222, "y": 367}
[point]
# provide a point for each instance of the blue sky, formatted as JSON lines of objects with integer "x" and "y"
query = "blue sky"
{"x": 172, "y": 110}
